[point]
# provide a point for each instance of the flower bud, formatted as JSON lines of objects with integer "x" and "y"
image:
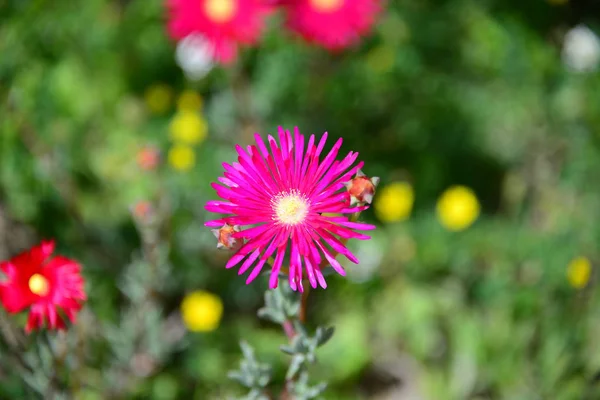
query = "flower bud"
{"x": 362, "y": 188}
{"x": 225, "y": 239}
{"x": 148, "y": 158}
{"x": 143, "y": 211}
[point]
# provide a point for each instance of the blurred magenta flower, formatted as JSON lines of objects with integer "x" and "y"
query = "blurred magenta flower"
{"x": 283, "y": 197}
{"x": 334, "y": 24}
{"x": 43, "y": 283}
{"x": 223, "y": 23}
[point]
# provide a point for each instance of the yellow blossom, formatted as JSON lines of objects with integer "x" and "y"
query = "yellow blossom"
{"x": 579, "y": 271}
{"x": 189, "y": 100}
{"x": 182, "y": 157}
{"x": 458, "y": 208}
{"x": 188, "y": 127}
{"x": 201, "y": 311}
{"x": 394, "y": 202}
{"x": 158, "y": 98}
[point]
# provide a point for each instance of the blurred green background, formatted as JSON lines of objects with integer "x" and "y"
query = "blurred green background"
{"x": 99, "y": 150}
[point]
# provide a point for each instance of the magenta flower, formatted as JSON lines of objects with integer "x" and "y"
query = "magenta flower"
{"x": 224, "y": 24}
{"x": 283, "y": 198}
{"x": 334, "y": 24}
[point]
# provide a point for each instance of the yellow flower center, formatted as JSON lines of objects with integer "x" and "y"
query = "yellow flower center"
{"x": 39, "y": 285}
{"x": 290, "y": 208}
{"x": 327, "y": 6}
{"x": 220, "y": 10}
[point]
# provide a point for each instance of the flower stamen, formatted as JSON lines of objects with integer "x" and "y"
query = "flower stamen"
{"x": 326, "y": 6}
{"x": 291, "y": 208}
{"x": 220, "y": 10}
{"x": 39, "y": 285}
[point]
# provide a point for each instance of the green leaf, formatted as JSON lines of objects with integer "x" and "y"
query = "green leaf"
{"x": 295, "y": 366}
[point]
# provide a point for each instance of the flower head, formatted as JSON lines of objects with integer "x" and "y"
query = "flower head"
{"x": 283, "y": 196}
{"x": 50, "y": 286}
{"x": 394, "y": 202}
{"x": 189, "y": 100}
{"x": 224, "y": 23}
{"x": 334, "y": 24}
{"x": 201, "y": 311}
{"x": 148, "y": 158}
{"x": 579, "y": 272}
{"x": 225, "y": 239}
{"x": 182, "y": 157}
{"x": 188, "y": 127}
{"x": 143, "y": 211}
{"x": 458, "y": 208}
{"x": 158, "y": 98}
{"x": 581, "y": 49}
{"x": 361, "y": 188}
{"x": 195, "y": 56}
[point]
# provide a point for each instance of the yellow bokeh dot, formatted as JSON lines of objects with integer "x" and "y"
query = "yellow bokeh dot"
{"x": 579, "y": 272}
{"x": 189, "y": 100}
{"x": 182, "y": 157}
{"x": 188, "y": 127}
{"x": 158, "y": 98}
{"x": 201, "y": 311}
{"x": 381, "y": 59}
{"x": 458, "y": 208}
{"x": 394, "y": 202}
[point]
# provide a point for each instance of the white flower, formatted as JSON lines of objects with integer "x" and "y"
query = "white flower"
{"x": 581, "y": 49}
{"x": 194, "y": 55}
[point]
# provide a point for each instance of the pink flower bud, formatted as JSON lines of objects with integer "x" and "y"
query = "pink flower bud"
{"x": 362, "y": 188}
{"x": 142, "y": 210}
{"x": 148, "y": 158}
{"x": 225, "y": 239}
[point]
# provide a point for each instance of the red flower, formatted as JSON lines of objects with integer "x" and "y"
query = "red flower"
{"x": 334, "y": 24}
{"x": 223, "y": 23}
{"x": 44, "y": 283}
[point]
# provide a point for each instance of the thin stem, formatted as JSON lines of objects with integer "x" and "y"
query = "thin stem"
{"x": 288, "y": 328}
{"x": 13, "y": 341}
{"x": 20, "y": 361}
{"x": 54, "y": 382}
{"x": 303, "y": 304}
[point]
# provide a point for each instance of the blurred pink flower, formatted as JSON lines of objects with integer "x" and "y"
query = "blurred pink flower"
{"x": 283, "y": 199}
{"x": 334, "y": 24}
{"x": 148, "y": 158}
{"x": 223, "y": 23}
{"x": 142, "y": 210}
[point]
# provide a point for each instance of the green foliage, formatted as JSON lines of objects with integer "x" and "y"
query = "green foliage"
{"x": 443, "y": 92}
